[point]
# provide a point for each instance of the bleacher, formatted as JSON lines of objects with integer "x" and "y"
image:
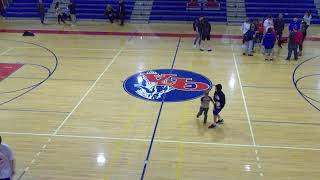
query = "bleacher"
{"x": 25, "y": 8}
{"x": 257, "y": 9}
{"x": 176, "y": 10}
{"x": 95, "y": 9}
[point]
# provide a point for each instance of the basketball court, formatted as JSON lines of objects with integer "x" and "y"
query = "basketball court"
{"x": 66, "y": 114}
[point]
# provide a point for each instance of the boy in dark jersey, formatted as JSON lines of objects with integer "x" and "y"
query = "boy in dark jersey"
{"x": 204, "y": 108}
{"x": 219, "y": 102}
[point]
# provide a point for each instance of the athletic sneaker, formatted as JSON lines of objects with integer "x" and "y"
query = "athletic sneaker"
{"x": 220, "y": 121}
{"x": 195, "y": 46}
{"x": 212, "y": 126}
{"x": 201, "y": 49}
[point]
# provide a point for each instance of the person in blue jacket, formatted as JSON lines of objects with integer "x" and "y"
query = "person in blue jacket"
{"x": 294, "y": 23}
{"x": 269, "y": 40}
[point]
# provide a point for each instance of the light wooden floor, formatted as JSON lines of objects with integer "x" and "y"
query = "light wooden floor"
{"x": 81, "y": 124}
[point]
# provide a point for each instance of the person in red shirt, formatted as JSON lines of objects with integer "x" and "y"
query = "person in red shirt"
{"x": 260, "y": 30}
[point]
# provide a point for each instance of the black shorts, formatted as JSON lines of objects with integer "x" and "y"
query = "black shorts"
{"x": 203, "y": 38}
{"x": 216, "y": 111}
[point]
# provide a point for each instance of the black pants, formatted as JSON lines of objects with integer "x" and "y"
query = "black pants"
{"x": 279, "y": 38}
{"x": 42, "y": 18}
{"x": 60, "y": 18}
{"x": 111, "y": 18}
{"x": 205, "y": 111}
{"x": 121, "y": 17}
{"x": 259, "y": 37}
{"x": 6, "y": 179}
{"x": 295, "y": 52}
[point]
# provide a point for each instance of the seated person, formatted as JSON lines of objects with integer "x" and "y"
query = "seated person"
{"x": 110, "y": 13}
{"x": 193, "y": 3}
{"x": 212, "y": 4}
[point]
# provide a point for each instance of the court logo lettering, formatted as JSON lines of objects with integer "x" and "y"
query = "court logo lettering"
{"x": 166, "y": 84}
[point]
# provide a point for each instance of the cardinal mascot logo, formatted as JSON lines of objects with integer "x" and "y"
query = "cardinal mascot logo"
{"x": 167, "y": 85}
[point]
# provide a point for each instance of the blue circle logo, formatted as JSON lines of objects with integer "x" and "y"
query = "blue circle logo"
{"x": 167, "y": 85}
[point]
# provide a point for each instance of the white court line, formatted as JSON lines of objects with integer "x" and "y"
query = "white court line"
{"x": 247, "y": 111}
{"x": 164, "y": 141}
{"x": 244, "y": 98}
{"x": 69, "y": 115}
{"x": 6, "y": 51}
{"x": 88, "y": 91}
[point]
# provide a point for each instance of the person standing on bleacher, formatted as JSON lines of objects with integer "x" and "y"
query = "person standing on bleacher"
{"x": 41, "y": 11}
{"x": 121, "y": 12}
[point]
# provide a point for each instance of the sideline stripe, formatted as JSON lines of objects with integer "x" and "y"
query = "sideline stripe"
{"x": 100, "y": 33}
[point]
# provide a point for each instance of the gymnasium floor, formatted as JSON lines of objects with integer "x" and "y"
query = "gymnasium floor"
{"x": 66, "y": 115}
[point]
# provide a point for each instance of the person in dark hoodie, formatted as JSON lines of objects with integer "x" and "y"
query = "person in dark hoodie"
{"x": 292, "y": 46}
{"x": 196, "y": 25}
{"x": 268, "y": 42}
{"x": 205, "y": 31}
{"x": 219, "y": 102}
{"x": 279, "y": 27}
{"x": 121, "y": 12}
{"x": 41, "y": 10}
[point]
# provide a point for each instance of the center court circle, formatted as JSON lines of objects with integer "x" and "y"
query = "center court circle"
{"x": 168, "y": 85}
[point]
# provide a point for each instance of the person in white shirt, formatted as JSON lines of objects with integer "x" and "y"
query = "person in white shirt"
{"x": 7, "y": 164}
{"x": 307, "y": 18}
{"x": 245, "y": 26}
{"x": 268, "y": 23}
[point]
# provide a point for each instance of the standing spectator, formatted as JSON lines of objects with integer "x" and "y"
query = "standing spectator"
{"x": 279, "y": 27}
{"x": 196, "y": 25}
{"x": 72, "y": 8}
{"x": 307, "y": 18}
{"x": 248, "y": 41}
{"x": 260, "y": 31}
{"x": 294, "y": 23}
{"x": 269, "y": 40}
{"x": 303, "y": 30}
{"x": 292, "y": 46}
{"x": 59, "y": 12}
{"x": 121, "y": 12}
{"x": 299, "y": 41}
{"x": 7, "y": 164}
{"x": 41, "y": 10}
{"x": 205, "y": 31}
{"x": 109, "y": 13}
{"x": 245, "y": 26}
{"x": 268, "y": 23}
